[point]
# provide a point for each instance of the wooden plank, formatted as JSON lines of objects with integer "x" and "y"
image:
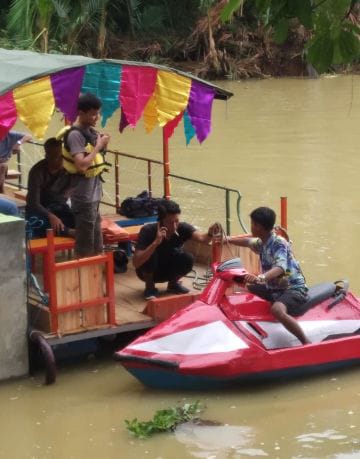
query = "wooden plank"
{"x": 13, "y": 174}
{"x": 126, "y": 315}
{"x": 92, "y": 286}
{"x": 68, "y": 292}
{"x": 20, "y": 194}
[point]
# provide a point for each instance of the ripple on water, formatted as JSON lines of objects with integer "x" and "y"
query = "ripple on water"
{"x": 210, "y": 441}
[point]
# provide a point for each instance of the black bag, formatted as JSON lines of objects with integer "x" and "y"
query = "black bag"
{"x": 141, "y": 206}
{"x": 120, "y": 261}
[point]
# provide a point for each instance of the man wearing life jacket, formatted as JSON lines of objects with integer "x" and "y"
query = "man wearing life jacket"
{"x": 84, "y": 144}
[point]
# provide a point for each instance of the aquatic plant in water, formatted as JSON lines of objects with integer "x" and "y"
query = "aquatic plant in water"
{"x": 164, "y": 420}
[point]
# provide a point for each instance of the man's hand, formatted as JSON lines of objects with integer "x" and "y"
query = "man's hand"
{"x": 102, "y": 141}
{"x": 56, "y": 224}
{"x": 161, "y": 234}
{"x": 26, "y": 138}
{"x": 251, "y": 279}
{"x": 215, "y": 230}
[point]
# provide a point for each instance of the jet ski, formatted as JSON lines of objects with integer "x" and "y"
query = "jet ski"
{"x": 224, "y": 339}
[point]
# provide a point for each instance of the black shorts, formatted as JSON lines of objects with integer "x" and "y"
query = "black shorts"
{"x": 291, "y": 298}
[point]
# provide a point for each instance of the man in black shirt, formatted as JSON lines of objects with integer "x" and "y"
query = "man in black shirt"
{"x": 159, "y": 255}
{"x": 48, "y": 190}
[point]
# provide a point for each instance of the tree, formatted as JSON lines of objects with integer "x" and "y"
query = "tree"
{"x": 31, "y": 19}
{"x": 333, "y": 26}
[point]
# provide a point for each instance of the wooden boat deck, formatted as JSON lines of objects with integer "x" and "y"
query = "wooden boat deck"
{"x": 130, "y": 307}
{"x": 130, "y": 304}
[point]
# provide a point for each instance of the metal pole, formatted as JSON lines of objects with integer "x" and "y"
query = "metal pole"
{"x": 283, "y": 204}
{"x": 117, "y": 185}
{"x": 166, "y": 166}
{"x": 18, "y": 159}
{"x": 227, "y": 204}
{"x": 149, "y": 178}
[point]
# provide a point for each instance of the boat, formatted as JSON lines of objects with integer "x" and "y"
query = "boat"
{"x": 224, "y": 339}
{"x": 71, "y": 300}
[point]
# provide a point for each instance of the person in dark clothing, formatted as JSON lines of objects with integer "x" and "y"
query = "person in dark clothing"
{"x": 48, "y": 191}
{"x": 159, "y": 255}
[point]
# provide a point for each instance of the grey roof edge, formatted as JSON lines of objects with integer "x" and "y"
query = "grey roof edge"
{"x": 73, "y": 61}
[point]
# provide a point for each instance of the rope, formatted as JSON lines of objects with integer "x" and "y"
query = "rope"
{"x": 200, "y": 282}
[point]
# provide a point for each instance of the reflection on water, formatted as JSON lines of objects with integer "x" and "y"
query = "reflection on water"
{"x": 217, "y": 441}
{"x": 291, "y": 137}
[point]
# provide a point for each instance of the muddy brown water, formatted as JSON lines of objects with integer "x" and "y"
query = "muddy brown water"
{"x": 292, "y": 137}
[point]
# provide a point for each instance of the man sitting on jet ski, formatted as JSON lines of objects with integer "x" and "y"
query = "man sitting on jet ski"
{"x": 281, "y": 281}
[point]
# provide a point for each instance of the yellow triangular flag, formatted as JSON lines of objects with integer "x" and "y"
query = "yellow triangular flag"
{"x": 150, "y": 114}
{"x": 35, "y": 105}
{"x": 172, "y": 95}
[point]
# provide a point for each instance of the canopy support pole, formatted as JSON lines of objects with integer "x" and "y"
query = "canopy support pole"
{"x": 166, "y": 165}
{"x": 283, "y": 204}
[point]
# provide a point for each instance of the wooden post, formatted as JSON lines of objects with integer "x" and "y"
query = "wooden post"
{"x": 166, "y": 166}
{"x": 283, "y": 202}
{"x": 110, "y": 291}
{"x": 216, "y": 247}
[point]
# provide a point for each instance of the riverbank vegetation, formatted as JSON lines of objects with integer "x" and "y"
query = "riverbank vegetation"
{"x": 212, "y": 38}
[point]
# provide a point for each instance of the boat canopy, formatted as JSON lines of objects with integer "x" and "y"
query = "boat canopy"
{"x": 32, "y": 85}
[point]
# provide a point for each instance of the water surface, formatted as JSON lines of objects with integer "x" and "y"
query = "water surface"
{"x": 292, "y": 137}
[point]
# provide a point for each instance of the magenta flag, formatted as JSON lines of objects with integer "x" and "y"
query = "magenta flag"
{"x": 199, "y": 109}
{"x": 66, "y": 87}
{"x": 170, "y": 127}
{"x": 137, "y": 86}
{"x": 8, "y": 113}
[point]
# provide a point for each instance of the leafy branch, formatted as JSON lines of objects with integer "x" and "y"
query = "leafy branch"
{"x": 164, "y": 420}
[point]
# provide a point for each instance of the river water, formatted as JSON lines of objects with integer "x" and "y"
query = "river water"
{"x": 277, "y": 137}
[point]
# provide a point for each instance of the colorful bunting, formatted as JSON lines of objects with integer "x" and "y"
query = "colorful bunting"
{"x": 123, "y": 122}
{"x": 150, "y": 114}
{"x": 103, "y": 80}
{"x": 137, "y": 86}
{"x": 199, "y": 109}
{"x": 7, "y": 113}
{"x": 161, "y": 97}
{"x": 35, "y": 104}
{"x": 66, "y": 87}
{"x": 172, "y": 95}
{"x": 170, "y": 127}
{"x": 189, "y": 130}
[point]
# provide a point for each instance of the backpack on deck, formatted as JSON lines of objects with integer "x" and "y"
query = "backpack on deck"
{"x": 140, "y": 206}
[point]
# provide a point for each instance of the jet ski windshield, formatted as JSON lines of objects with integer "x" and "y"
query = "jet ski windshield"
{"x": 233, "y": 263}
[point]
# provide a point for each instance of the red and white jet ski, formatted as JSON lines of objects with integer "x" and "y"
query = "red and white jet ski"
{"x": 224, "y": 339}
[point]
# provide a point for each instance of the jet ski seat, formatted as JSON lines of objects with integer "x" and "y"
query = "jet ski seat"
{"x": 318, "y": 293}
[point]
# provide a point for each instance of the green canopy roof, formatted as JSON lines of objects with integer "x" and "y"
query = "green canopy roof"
{"x": 19, "y": 67}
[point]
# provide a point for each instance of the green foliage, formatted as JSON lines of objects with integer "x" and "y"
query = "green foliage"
{"x": 281, "y": 30}
{"x": 164, "y": 420}
{"x": 229, "y": 9}
{"x": 334, "y": 39}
